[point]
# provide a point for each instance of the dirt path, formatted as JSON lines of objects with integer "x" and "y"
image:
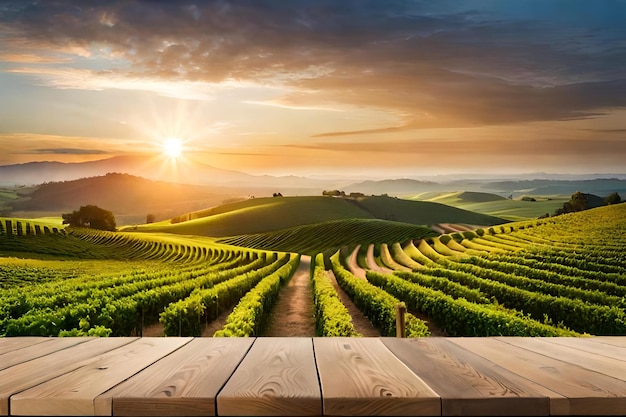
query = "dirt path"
{"x": 153, "y": 330}
{"x": 371, "y": 262}
{"x": 361, "y": 323}
{"x": 292, "y": 316}
{"x": 353, "y": 264}
{"x": 217, "y": 324}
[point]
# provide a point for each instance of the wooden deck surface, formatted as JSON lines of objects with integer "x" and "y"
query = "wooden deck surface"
{"x": 313, "y": 376}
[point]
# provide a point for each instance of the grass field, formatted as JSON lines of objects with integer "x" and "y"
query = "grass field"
{"x": 263, "y": 215}
{"x": 495, "y": 205}
{"x": 259, "y": 215}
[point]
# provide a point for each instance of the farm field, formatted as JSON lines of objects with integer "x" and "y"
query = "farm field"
{"x": 560, "y": 276}
{"x": 516, "y": 209}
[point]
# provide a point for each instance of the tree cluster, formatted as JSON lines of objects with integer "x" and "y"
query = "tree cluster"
{"x": 333, "y": 193}
{"x": 92, "y": 217}
{"x": 581, "y": 201}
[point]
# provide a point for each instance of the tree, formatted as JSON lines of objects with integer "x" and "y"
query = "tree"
{"x": 150, "y": 218}
{"x": 613, "y": 198}
{"x": 92, "y": 217}
{"x": 333, "y": 193}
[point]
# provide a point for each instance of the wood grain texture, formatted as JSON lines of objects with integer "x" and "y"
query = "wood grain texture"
{"x": 592, "y": 345}
{"x": 73, "y": 393}
{"x": 593, "y": 362}
{"x": 582, "y": 392}
{"x": 29, "y": 374}
{"x": 611, "y": 340}
{"x": 37, "y": 350}
{"x": 362, "y": 377}
{"x": 304, "y": 376}
{"x": 277, "y": 377}
{"x": 467, "y": 383}
{"x": 184, "y": 383}
{"x": 10, "y": 344}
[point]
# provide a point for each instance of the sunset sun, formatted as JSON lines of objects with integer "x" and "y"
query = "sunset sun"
{"x": 172, "y": 147}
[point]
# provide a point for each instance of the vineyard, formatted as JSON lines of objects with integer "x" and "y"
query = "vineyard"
{"x": 559, "y": 276}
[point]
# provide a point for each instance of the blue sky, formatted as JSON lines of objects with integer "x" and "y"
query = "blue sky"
{"x": 319, "y": 87}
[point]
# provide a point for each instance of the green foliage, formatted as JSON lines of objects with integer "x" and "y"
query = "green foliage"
{"x": 613, "y": 198}
{"x": 460, "y": 317}
{"x": 581, "y": 201}
{"x": 250, "y": 314}
{"x": 185, "y": 316}
{"x": 98, "y": 331}
{"x": 121, "y": 300}
{"x": 376, "y": 304}
{"x": 91, "y": 217}
{"x": 331, "y": 316}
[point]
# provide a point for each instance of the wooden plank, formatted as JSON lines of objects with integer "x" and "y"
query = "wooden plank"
{"x": 184, "y": 383}
{"x": 611, "y": 340}
{"x": 467, "y": 383}
{"x": 582, "y": 392}
{"x": 29, "y": 374}
{"x": 277, "y": 377}
{"x": 10, "y": 344}
{"x": 73, "y": 393}
{"x": 36, "y": 350}
{"x": 598, "y": 363}
{"x": 592, "y": 345}
{"x": 362, "y": 377}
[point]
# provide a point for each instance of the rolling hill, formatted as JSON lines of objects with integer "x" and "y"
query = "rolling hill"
{"x": 329, "y": 236}
{"x": 262, "y": 215}
{"x": 130, "y": 198}
{"x": 496, "y": 205}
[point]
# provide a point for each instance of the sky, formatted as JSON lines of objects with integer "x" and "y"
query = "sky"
{"x": 319, "y": 87}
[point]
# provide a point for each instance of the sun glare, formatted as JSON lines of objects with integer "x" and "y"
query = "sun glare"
{"x": 173, "y": 147}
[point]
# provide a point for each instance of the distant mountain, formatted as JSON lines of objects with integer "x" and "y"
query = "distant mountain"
{"x": 190, "y": 172}
{"x": 396, "y": 187}
{"x": 130, "y": 198}
{"x": 411, "y": 188}
{"x": 599, "y": 186}
{"x": 154, "y": 168}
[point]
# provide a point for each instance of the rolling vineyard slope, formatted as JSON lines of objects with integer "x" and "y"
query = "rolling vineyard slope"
{"x": 103, "y": 283}
{"x": 558, "y": 276}
{"x": 330, "y": 236}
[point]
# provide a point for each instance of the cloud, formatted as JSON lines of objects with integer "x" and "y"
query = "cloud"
{"x": 441, "y": 148}
{"x": 23, "y": 58}
{"x": 606, "y": 130}
{"x": 68, "y": 151}
{"x": 460, "y": 64}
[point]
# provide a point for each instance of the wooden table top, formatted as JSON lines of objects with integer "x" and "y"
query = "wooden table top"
{"x": 312, "y": 376}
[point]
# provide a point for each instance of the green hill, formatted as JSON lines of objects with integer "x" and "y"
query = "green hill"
{"x": 422, "y": 212}
{"x": 263, "y": 215}
{"x": 459, "y": 197}
{"x": 260, "y": 215}
{"x": 521, "y": 208}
